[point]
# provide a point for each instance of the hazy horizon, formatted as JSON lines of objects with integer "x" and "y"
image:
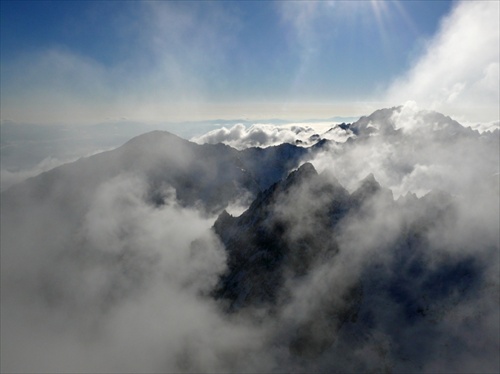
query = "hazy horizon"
{"x": 94, "y": 62}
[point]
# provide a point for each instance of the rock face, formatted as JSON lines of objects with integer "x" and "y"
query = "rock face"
{"x": 308, "y": 224}
{"x": 287, "y": 229}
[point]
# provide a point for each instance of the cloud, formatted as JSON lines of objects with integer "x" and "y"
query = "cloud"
{"x": 394, "y": 285}
{"x": 266, "y": 135}
{"x": 423, "y": 157}
{"x": 458, "y": 72}
{"x": 446, "y": 269}
{"x": 486, "y": 126}
{"x": 130, "y": 292}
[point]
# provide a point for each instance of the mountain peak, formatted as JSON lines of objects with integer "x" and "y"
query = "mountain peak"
{"x": 367, "y": 188}
{"x": 153, "y": 137}
{"x": 306, "y": 169}
{"x": 380, "y": 120}
{"x": 370, "y": 180}
{"x": 303, "y": 173}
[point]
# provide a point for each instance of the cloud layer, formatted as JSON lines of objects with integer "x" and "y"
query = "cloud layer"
{"x": 266, "y": 135}
{"x": 129, "y": 295}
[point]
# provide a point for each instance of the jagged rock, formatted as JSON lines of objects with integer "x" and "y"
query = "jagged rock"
{"x": 272, "y": 238}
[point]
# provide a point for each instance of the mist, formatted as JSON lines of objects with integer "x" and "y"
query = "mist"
{"x": 124, "y": 291}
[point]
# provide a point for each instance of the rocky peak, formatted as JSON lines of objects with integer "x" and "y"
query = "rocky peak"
{"x": 303, "y": 173}
{"x": 368, "y": 187}
{"x": 269, "y": 239}
{"x": 380, "y": 120}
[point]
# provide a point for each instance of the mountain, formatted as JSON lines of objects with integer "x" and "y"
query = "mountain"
{"x": 54, "y": 211}
{"x": 395, "y": 121}
{"x": 308, "y": 224}
{"x": 86, "y": 211}
{"x": 213, "y": 175}
{"x": 265, "y": 242}
{"x": 379, "y": 254}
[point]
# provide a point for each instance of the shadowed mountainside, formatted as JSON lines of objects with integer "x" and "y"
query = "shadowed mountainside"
{"x": 308, "y": 227}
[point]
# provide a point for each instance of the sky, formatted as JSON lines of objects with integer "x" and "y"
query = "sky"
{"x": 93, "y": 62}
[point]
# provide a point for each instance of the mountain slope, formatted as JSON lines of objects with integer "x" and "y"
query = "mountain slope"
{"x": 284, "y": 232}
{"x": 212, "y": 175}
{"x": 360, "y": 263}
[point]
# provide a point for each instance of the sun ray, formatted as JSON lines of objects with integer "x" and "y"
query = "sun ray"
{"x": 380, "y": 10}
{"x": 406, "y": 17}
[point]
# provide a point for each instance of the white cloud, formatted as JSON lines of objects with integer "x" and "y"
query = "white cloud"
{"x": 127, "y": 291}
{"x": 458, "y": 73}
{"x": 266, "y": 135}
{"x": 433, "y": 152}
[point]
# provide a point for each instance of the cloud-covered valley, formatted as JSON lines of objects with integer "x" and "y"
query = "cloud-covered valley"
{"x": 373, "y": 248}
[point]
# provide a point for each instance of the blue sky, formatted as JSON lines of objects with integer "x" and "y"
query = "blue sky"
{"x": 91, "y": 62}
